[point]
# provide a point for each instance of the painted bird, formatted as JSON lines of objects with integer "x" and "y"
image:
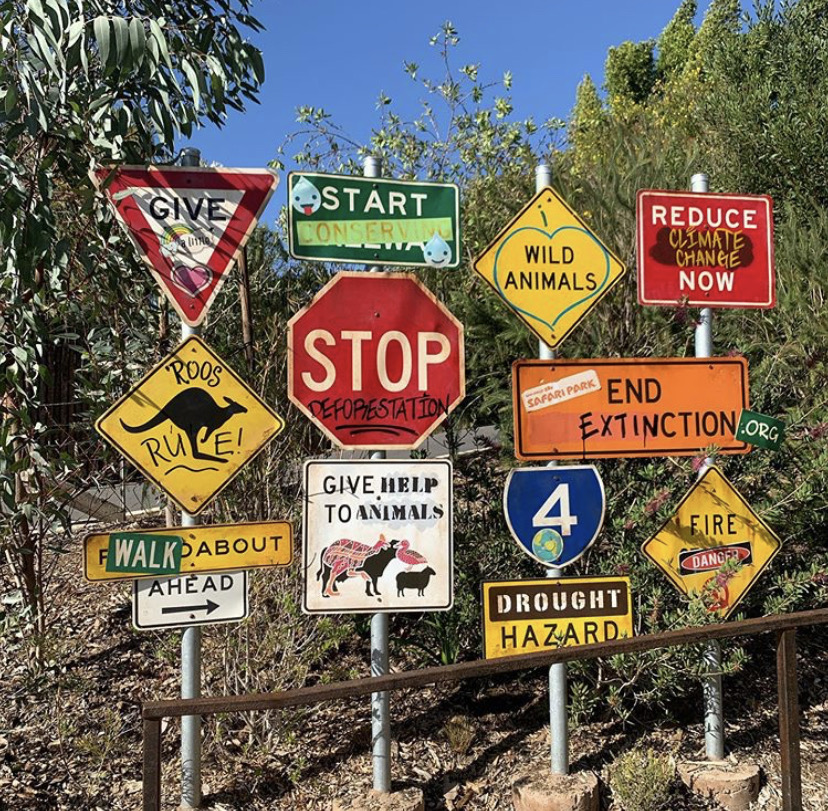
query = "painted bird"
{"x": 409, "y": 557}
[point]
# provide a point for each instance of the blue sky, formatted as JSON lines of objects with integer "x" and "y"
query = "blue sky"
{"x": 340, "y": 55}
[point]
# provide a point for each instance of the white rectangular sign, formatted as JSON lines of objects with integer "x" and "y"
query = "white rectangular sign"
{"x": 193, "y": 599}
{"x": 558, "y": 391}
{"x": 378, "y": 536}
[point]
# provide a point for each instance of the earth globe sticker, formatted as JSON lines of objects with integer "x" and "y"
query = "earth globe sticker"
{"x": 547, "y": 545}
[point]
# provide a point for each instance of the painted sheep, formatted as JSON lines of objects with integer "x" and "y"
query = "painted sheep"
{"x": 414, "y": 580}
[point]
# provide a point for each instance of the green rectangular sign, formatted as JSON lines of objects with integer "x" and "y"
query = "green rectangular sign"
{"x": 339, "y": 218}
{"x": 144, "y": 553}
{"x": 760, "y": 430}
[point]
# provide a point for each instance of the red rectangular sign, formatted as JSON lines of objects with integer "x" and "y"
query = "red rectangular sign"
{"x": 705, "y": 250}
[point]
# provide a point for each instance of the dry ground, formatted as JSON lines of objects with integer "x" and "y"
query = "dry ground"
{"x": 70, "y": 732}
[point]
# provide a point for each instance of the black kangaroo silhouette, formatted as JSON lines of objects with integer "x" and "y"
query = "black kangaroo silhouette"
{"x": 191, "y": 410}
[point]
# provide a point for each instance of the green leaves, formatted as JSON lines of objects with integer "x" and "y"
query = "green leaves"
{"x": 79, "y": 86}
{"x": 137, "y": 40}
{"x": 103, "y": 31}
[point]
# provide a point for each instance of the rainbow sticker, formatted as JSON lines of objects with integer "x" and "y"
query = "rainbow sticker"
{"x": 172, "y": 240}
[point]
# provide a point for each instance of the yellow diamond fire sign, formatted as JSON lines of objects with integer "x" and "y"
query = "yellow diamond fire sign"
{"x": 190, "y": 425}
{"x": 715, "y": 545}
{"x": 549, "y": 267}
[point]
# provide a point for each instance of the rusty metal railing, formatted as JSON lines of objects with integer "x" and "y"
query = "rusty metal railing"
{"x": 783, "y": 625}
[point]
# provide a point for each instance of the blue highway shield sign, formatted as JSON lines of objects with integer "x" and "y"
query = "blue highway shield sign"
{"x": 554, "y": 513}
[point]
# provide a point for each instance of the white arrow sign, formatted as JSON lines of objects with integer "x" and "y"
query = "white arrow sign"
{"x": 195, "y": 599}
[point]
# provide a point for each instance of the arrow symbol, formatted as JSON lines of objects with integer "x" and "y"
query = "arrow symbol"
{"x": 209, "y": 607}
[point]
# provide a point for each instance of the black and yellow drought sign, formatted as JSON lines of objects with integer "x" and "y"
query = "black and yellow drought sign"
{"x": 528, "y": 616}
{"x": 190, "y": 425}
{"x": 213, "y": 548}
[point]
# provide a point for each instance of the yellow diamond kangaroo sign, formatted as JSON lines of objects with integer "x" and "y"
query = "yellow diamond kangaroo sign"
{"x": 190, "y": 425}
{"x": 549, "y": 267}
{"x": 715, "y": 545}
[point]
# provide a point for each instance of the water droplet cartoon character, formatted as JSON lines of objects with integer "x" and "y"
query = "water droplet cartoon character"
{"x": 437, "y": 252}
{"x": 305, "y": 197}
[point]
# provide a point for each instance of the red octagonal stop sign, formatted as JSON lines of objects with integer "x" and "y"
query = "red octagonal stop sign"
{"x": 375, "y": 360}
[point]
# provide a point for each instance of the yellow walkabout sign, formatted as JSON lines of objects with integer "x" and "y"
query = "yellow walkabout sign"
{"x": 527, "y": 616}
{"x": 715, "y": 544}
{"x": 190, "y": 425}
{"x": 213, "y": 548}
{"x": 549, "y": 267}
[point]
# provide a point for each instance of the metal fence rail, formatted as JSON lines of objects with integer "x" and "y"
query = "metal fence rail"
{"x": 784, "y": 626}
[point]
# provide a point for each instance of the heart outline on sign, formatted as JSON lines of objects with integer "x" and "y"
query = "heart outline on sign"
{"x": 550, "y": 237}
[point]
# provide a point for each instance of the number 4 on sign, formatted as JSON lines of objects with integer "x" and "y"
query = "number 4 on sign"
{"x": 554, "y": 513}
{"x": 565, "y": 520}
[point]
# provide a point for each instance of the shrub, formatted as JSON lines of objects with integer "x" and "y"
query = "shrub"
{"x": 642, "y": 780}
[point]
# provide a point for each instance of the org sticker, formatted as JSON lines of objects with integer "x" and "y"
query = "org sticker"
{"x": 559, "y": 391}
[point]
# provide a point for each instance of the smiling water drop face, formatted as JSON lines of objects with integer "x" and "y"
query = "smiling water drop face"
{"x": 305, "y": 197}
{"x": 437, "y": 252}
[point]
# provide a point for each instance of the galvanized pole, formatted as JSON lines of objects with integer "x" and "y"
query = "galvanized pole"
{"x": 713, "y": 698}
{"x": 190, "y": 638}
{"x": 380, "y": 702}
{"x": 558, "y": 720}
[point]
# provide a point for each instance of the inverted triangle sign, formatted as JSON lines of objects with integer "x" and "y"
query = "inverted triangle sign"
{"x": 188, "y": 225}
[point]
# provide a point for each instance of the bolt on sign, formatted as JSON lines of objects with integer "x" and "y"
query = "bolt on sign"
{"x": 760, "y": 430}
{"x": 528, "y": 616}
{"x": 554, "y": 513}
{"x": 339, "y": 218}
{"x": 190, "y": 425}
{"x": 705, "y": 250}
{"x": 378, "y": 536}
{"x": 715, "y": 545}
{"x": 204, "y": 548}
{"x": 601, "y": 409}
{"x": 189, "y": 225}
{"x": 137, "y": 553}
{"x": 549, "y": 267}
{"x": 192, "y": 599}
{"x": 375, "y": 361}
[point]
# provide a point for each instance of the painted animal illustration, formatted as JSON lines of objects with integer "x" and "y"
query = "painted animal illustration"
{"x": 414, "y": 580}
{"x": 347, "y": 558}
{"x": 410, "y": 557}
{"x": 192, "y": 411}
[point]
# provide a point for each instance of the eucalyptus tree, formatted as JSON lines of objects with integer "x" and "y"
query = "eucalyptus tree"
{"x": 85, "y": 83}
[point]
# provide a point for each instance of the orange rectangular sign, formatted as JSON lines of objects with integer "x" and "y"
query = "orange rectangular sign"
{"x": 602, "y": 409}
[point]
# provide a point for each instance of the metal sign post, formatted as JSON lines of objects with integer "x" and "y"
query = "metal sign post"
{"x": 380, "y": 702}
{"x": 558, "y": 720}
{"x": 190, "y": 637}
{"x": 713, "y": 697}
{"x": 189, "y": 224}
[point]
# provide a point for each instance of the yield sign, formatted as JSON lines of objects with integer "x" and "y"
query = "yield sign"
{"x": 715, "y": 545}
{"x": 190, "y": 425}
{"x": 188, "y": 225}
{"x": 549, "y": 267}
